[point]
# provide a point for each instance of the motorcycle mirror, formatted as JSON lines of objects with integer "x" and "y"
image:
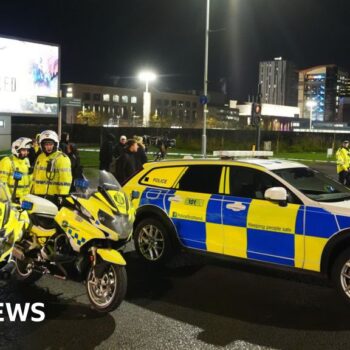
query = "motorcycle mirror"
{"x": 135, "y": 195}
{"x": 17, "y": 175}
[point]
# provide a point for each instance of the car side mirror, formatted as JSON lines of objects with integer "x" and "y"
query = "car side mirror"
{"x": 135, "y": 195}
{"x": 278, "y": 194}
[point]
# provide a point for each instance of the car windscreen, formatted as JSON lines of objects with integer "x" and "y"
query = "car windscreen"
{"x": 314, "y": 184}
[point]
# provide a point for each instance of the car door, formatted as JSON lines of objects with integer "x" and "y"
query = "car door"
{"x": 196, "y": 208}
{"x": 260, "y": 229}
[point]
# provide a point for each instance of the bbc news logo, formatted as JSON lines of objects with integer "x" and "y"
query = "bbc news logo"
{"x": 18, "y": 312}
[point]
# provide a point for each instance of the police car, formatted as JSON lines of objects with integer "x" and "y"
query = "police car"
{"x": 268, "y": 210}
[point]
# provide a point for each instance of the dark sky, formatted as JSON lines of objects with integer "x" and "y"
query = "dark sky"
{"x": 108, "y": 41}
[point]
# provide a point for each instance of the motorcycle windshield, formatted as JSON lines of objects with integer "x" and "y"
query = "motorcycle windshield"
{"x": 91, "y": 183}
{"x": 106, "y": 184}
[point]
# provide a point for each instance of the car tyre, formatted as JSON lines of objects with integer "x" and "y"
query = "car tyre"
{"x": 341, "y": 275}
{"x": 153, "y": 241}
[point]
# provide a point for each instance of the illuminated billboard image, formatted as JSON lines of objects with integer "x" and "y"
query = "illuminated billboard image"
{"x": 27, "y": 70}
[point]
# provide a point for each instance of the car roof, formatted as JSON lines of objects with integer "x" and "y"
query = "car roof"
{"x": 270, "y": 163}
{"x": 273, "y": 164}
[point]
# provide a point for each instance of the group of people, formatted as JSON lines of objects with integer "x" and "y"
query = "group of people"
{"x": 123, "y": 158}
{"x": 47, "y": 168}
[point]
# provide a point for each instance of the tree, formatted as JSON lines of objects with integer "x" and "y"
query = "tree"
{"x": 92, "y": 118}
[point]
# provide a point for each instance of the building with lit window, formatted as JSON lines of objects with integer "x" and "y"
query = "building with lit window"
{"x": 320, "y": 92}
{"x": 124, "y": 107}
{"x": 278, "y": 81}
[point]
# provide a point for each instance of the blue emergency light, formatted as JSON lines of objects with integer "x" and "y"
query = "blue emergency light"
{"x": 26, "y": 205}
{"x": 81, "y": 183}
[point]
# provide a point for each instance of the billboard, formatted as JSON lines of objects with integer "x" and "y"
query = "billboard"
{"x": 28, "y": 70}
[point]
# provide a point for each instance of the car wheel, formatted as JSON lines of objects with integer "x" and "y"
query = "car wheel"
{"x": 341, "y": 275}
{"x": 153, "y": 241}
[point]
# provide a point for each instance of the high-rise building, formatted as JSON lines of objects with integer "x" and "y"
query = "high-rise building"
{"x": 278, "y": 82}
{"x": 320, "y": 91}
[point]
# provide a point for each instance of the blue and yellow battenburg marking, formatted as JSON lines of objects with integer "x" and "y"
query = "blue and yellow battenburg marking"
{"x": 76, "y": 236}
{"x": 294, "y": 235}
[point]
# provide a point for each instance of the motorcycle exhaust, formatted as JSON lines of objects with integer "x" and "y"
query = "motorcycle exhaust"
{"x": 18, "y": 253}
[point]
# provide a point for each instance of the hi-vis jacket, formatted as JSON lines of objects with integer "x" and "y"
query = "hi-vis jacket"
{"x": 8, "y": 166}
{"x": 343, "y": 159}
{"x": 52, "y": 174}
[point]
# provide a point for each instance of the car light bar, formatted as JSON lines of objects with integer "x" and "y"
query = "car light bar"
{"x": 236, "y": 154}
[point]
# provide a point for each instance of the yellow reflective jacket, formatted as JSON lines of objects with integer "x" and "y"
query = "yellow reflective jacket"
{"x": 343, "y": 159}
{"x": 8, "y": 166}
{"x": 52, "y": 174}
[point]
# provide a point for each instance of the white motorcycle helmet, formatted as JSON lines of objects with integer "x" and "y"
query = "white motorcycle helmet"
{"x": 48, "y": 135}
{"x": 21, "y": 143}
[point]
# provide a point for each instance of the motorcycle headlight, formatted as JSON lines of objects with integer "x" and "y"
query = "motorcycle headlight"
{"x": 119, "y": 223}
{"x": 85, "y": 212}
{"x": 104, "y": 218}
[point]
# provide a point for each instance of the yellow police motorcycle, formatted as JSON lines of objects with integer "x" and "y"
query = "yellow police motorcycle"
{"x": 79, "y": 239}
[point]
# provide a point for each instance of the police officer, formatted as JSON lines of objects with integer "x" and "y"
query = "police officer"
{"x": 343, "y": 163}
{"x": 18, "y": 162}
{"x": 52, "y": 174}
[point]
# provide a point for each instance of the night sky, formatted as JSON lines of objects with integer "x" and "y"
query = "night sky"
{"x": 109, "y": 41}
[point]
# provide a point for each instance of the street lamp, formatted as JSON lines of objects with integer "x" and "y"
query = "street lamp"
{"x": 147, "y": 77}
{"x": 205, "y": 91}
{"x": 311, "y": 104}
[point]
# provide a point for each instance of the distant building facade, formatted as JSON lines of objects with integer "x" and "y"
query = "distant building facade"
{"x": 122, "y": 106}
{"x": 274, "y": 117}
{"x": 278, "y": 81}
{"x": 320, "y": 92}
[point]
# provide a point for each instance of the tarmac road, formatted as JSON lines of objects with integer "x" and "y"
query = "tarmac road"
{"x": 194, "y": 303}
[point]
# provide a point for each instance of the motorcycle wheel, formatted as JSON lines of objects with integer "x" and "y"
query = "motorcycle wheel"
{"x": 107, "y": 292}
{"x": 24, "y": 272}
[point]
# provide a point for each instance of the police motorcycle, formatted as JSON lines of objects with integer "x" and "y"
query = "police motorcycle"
{"x": 79, "y": 239}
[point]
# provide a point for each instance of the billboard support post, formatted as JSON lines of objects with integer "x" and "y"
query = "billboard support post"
{"x": 59, "y": 109}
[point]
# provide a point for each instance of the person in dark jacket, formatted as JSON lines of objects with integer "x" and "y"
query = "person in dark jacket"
{"x": 64, "y": 142}
{"x": 106, "y": 152}
{"x": 71, "y": 150}
{"x": 141, "y": 157}
{"x": 126, "y": 163}
{"x": 119, "y": 148}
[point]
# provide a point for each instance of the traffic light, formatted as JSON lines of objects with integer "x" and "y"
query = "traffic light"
{"x": 256, "y": 114}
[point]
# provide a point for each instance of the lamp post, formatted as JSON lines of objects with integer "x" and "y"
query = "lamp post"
{"x": 205, "y": 90}
{"x": 147, "y": 77}
{"x": 311, "y": 104}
